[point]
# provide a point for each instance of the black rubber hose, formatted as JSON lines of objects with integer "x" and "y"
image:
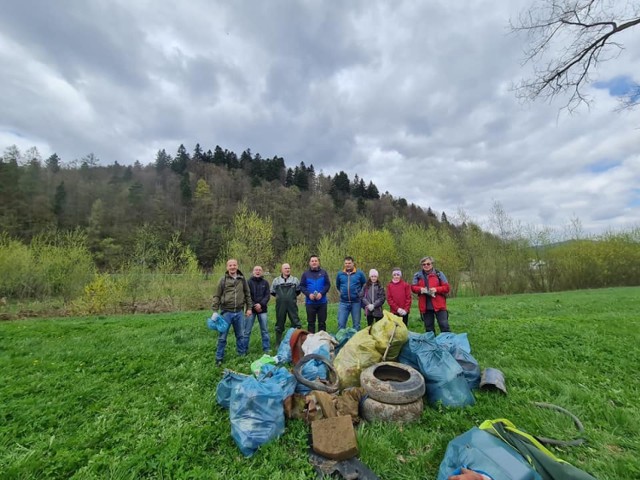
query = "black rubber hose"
{"x": 561, "y": 443}
{"x": 332, "y": 387}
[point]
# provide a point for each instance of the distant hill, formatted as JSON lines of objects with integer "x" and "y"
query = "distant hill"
{"x": 195, "y": 194}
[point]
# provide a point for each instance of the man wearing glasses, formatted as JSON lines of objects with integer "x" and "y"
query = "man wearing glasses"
{"x": 432, "y": 288}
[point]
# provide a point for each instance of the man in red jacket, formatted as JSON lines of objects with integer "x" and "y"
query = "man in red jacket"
{"x": 432, "y": 287}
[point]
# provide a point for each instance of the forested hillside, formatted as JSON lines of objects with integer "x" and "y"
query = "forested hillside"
{"x": 193, "y": 194}
{"x": 95, "y": 239}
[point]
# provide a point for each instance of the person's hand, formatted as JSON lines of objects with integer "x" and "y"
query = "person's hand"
{"x": 248, "y": 313}
{"x": 370, "y": 307}
{"x": 432, "y": 290}
{"x": 467, "y": 475}
{"x": 257, "y": 307}
{"x": 402, "y": 312}
{"x": 424, "y": 290}
{"x": 318, "y": 296}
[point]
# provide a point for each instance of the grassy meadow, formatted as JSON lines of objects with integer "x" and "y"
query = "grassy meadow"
{"x": 133, "y": 396}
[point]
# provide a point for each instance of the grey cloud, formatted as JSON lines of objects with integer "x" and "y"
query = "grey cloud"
{"x": 78, "y": 38}
{"x": 411, "y": 95}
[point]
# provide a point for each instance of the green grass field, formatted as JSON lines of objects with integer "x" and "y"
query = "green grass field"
{"x": 134, "y": 396}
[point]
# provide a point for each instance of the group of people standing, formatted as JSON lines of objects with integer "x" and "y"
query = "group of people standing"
{"x": 241, "y": 301}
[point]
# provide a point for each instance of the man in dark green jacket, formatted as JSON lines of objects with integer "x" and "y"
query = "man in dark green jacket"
{"x": 286, "y": 289}
{"x": 233, "y": 299}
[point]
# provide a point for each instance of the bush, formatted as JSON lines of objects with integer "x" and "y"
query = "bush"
{"x": 374, "y": 249}
{"x": 63, "y": 264}
{"x": 99, "y": 296}
{"x": 251, "y": 240}
{"x": 174, "y": 283}
{"x": 16, "y": 269}
{"x": 55, "y": 265}
{"x": 609, "y": 260}
{"x": 297, "y": 257}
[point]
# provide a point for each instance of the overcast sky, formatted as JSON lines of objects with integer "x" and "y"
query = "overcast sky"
{"x": 413, "y": 95}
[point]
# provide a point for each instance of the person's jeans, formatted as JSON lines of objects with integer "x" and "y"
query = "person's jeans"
{"x": 264, "y": 331}
{"x": 236, "y": 320}
{"x": 344, "y": 309}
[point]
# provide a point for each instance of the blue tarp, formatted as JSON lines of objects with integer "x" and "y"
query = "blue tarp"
{"x": 479, "y": 450}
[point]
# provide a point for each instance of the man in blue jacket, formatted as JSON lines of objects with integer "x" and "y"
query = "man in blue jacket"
{"x": 315, "y": 284}
{"x": 349, "y": 282}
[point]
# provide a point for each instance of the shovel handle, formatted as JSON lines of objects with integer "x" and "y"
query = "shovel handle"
{"x": 393, "y": 333}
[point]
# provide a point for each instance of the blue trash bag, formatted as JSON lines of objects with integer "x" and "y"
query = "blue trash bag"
{"x": 218, "y": 323}
{"x": 444, "y": 379}
{"x": 443, "y": 376}
{"x": 469, "y": 365}
{"x": 481, "y": 451}
{"x": 313, "y": 370}
{"x": 256, "y": 413}
{"x": 281, "y": 376}
{"x": 284, "y": 350}
{"x": 342, "y": 336}
{"x": 417, "y": 344}
{"x": 450, "y": 341}
{"x": 229, "y": 380}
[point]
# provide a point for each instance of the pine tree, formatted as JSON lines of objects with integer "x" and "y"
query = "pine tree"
{"x": 219, "y": 157}
{"x": 53, "y": 163}
{"x": 163, "y": 161}
{"x": 60, "y": 202}
{"x": 198, "y": 156}
{"x": 301, "y": 177}
{"x": 181, "y": 161}
{"x": 288, "y": 181}
{"x": 185, "y": 189}
{"x": 372, "y": 192}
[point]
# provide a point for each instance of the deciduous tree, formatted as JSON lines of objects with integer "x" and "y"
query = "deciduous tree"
{"x": 568, "y": 39}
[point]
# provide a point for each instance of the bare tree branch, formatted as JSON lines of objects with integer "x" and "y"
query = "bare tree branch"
{"x": 567, "y": 41}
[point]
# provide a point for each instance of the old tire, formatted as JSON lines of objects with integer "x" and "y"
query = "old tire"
{"x": 330, "y": 386}
{"x": 393, "y": 383}
{"x": 372, "y": 410}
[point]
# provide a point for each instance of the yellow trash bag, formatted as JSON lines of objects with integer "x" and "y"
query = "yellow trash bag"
{"x": 383, "y": 330}
{"x": 357, "y": 354}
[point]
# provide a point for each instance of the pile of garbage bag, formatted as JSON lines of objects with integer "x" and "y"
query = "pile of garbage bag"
{"x": 257, "y": 402}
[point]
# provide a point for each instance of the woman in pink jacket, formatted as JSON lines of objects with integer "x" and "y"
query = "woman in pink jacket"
{"x": 399, "y": 296}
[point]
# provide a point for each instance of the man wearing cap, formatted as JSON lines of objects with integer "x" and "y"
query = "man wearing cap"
{"x": 432, "y": 287}
{"x": 399, "y": 296}
{"x": 349, "y": 282}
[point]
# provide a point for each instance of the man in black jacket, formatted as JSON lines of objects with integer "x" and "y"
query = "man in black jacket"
{"x": 260, "y": 292}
